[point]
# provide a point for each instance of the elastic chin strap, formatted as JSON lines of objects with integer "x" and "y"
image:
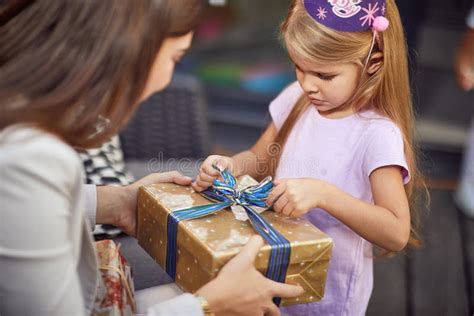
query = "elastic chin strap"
{"x": 370, "y": 51}
{"x": 380, "y": 24}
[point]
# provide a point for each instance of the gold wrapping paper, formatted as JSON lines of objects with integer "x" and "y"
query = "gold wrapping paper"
{"x": 206, "y": 244}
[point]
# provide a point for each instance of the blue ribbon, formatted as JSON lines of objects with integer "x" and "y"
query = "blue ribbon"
{"x": 225, "y": 194}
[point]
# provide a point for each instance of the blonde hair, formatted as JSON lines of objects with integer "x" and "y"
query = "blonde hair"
{"x": 387, "y": 90}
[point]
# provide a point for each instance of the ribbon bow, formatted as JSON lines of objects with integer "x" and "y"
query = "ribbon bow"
{"x": 225, "y": 194}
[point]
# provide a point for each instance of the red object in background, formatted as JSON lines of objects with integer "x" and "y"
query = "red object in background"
{"x": 215, "y": 22}
{"x": 115, "y": 294}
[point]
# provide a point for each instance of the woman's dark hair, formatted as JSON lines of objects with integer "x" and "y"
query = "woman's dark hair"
{"x": 65, "y": 64}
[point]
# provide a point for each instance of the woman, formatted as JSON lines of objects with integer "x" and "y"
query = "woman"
{"x": 71, "y": 75}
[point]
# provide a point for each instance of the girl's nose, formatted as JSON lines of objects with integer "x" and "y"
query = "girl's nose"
{"x": 309, "y": 85}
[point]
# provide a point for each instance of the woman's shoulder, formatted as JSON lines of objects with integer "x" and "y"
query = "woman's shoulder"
{"x": 25, "y": 147}
{"x": 24, "y": 139}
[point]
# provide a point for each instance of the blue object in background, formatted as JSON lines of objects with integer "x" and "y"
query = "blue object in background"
{"x": 267, "y": 78}
{"x": 268, "y": 83}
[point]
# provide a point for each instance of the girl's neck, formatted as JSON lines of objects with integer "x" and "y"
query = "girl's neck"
{"x": 337, "y": 113}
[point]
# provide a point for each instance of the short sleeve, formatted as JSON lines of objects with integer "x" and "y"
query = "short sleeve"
{"x": 282, "y": 105}
{"x": 385, "y": 148}
{"x": 106, "y": 165}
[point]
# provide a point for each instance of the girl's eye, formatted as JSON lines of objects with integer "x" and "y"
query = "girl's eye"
{"x": 326, "y": 78}
{"x": 316, "y": 74}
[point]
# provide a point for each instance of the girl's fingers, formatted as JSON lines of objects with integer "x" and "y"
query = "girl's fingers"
{"x": 200, "y": 185}
{"x": 221, "y": 163}
{"x": 205, "y": 177}
{"x": 280, "y": 204}
{"x": 196, "y": 187}
{"x": 209, "y": 169}
{"x": 203, "y": 184}
{"x": 287, "y": 209}
{"x": 295, "y": 213}
{"x": 276, "y": 193}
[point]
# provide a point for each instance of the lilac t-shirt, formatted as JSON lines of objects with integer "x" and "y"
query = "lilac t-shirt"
{"x": 343, "y": 152}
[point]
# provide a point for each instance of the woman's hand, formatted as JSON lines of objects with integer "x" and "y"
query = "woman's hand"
{"x": 207, "y": 172}
{"x": 240, "y": 289}
{"x": 295, "y": 197}
{"x": 118, "y": 205}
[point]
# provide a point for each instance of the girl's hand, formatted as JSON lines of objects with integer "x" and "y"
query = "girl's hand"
{"x": 207, "y": 173}
{"x": 295, "y": 197}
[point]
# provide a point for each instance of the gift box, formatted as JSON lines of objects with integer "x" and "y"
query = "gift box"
{"x": 205, "y": 244}
{"x": 115, "y": 293}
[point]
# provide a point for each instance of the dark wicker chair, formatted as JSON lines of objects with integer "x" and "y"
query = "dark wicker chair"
{"x": 170, "y": 124}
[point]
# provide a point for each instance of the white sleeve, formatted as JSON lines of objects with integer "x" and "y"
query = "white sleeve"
{"x": 183, "y": 305}
{"x": 38, "y": 266}
{"x": 90, "y": 191}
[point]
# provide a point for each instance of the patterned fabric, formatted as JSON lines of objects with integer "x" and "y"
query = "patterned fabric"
{"x": 346, "y": 15}
{"x": 115, "y": 294}
{"x": 105, "y": 165}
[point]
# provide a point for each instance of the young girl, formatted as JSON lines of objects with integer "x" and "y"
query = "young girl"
{"x": 345, "y": 134}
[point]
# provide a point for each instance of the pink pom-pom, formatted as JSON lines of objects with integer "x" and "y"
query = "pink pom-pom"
{"x": 380, "y": 24}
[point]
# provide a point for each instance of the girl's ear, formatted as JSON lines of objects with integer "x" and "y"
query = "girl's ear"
{"x": 375, "y": 62}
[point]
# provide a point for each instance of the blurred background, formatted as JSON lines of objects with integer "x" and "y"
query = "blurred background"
{"x": 218, "y": 104}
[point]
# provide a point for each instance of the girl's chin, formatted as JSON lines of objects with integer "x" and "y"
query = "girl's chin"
{"x": 322, "y": 106}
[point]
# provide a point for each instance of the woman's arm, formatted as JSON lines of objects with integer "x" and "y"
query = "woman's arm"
{"x": 118, "y": 205}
